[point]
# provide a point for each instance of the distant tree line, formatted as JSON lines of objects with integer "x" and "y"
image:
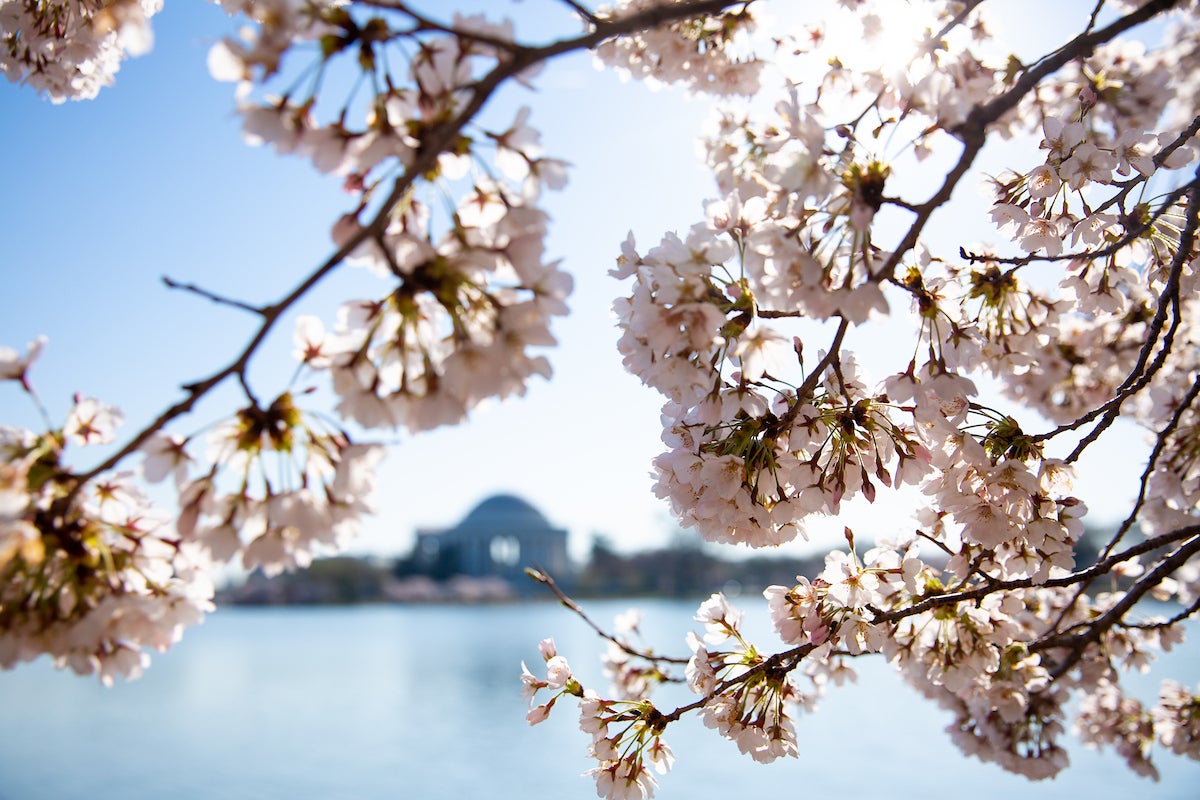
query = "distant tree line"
{"x": 680, "y": 569}
{"x": 676, "y": 571}
{"x": 671, "y": 571}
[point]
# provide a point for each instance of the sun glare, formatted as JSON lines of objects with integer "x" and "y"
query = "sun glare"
{"x": 888, "y": 40}
{"x": 892, "y": 38}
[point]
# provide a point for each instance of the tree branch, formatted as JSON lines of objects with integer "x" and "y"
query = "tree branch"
{"x": 1096, "y": 628}
{"x": 978, "y": 593}
{"x": 971, "y": 132}
{"x": 582, "y": 11}
{"x": 1141, "y": 373}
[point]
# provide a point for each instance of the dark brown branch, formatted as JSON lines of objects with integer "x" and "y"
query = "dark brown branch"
{"x": 1081, "y": 46}
{"x": 806, "y": 389}
{"x": 1139, "y": 501}
{"x": 1186, "y": 613}
{"x": 582, "y": 11}
{"x": 1159, "y": 159}
{"x": 1179, "y": 141}
{"x": 972, "y": 131}
{"x": 788, "y": 660}
{"x": 1129, "y": 237}
{"x": 1141, "y": 374}
{"x": 426, "y": 23}
{"x": 1160, "y": 445}
{"x": 785, "y": 661}
{"x": 958, "y": 19}
{"x": 1101, "y": 567}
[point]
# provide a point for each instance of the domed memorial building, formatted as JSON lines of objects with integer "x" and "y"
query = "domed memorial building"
{"x": 500, "y": 537}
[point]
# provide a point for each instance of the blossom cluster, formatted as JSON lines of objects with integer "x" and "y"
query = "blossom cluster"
{"x": 760, "y": 435}
{"x": 91, "y": 572}
{"x": 94, "y": 573}
{"x": 471, "y": 295}
{"x": 71, "y": 49}
{"x": 626, "y": 735}
{"x": 402, "y": 114}
{"x": 459, "y": 326}
{"x": 706, "y": 54}
{"x": 753, "y": 711}
{"x": 279, "y": 487}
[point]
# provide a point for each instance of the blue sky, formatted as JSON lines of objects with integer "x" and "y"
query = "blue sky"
{"x": 104, "y": 198}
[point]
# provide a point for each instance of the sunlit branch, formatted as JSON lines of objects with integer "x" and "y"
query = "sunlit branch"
{"x": 967, "y": 8}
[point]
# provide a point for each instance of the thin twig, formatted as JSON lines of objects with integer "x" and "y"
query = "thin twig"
{"x": 543, "y": 577}
{"x": 785, "y": 661}
{"x": 216, "y": 298}
{"x": 958, "y": 18}
{"x": 1156, "y": 452}
{"x": 1129, "y": 237}
{"x": 582, "y": 11}
{"x": 428, "y": 24}
{"x": 805, "y": 392}
{"x": 1167, "y": 623}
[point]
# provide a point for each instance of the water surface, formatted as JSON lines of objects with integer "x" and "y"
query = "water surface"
{"x": 422, "y": 702}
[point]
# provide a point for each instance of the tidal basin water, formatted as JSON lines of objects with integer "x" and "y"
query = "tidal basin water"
{"x": 366, "y": 703}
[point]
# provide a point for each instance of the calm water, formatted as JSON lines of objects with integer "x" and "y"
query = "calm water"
{"x": 422, "y": 702}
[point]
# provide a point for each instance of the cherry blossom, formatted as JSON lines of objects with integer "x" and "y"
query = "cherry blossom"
{"x": 93, "y": 575}
{"x": 71, "y": 50}
{"x": 841, "y": 138}
{"x": 15, "y": 368}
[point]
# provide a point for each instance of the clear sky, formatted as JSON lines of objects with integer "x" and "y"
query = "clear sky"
{"x": 103, "y": 198}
